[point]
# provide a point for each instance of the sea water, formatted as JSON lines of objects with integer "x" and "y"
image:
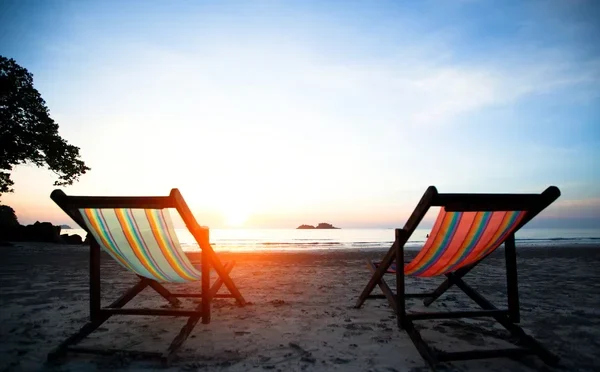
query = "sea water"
{"x": 313, "y": 239}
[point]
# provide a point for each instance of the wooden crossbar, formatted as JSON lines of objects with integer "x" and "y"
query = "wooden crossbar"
{"x": 494, "y": 202}
{"x": 145, "y": 202}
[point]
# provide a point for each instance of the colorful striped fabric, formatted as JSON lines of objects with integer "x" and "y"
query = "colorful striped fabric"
{"x": 461, "y": 238}
{"x": 143, "y": 241}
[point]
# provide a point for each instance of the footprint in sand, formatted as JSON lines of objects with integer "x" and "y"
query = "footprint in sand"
{"x": 340, "y": 361}
{"x": 358, "y": 327}
{"x": 278, "y": 303}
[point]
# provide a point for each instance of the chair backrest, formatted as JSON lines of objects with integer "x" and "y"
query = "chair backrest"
{"x": 461, "y": 238}
{"x": 137, "y": 232}
{"x": 470, "y": 226}
{"x": 141, "y": 240}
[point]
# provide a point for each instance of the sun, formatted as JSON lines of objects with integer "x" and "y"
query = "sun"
{"x": 234, "y": 211}
{"x": 235, "y": 217}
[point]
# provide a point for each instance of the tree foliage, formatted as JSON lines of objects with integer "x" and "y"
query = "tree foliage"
{"x": 27, "y": 132}
{"x": 8, "y": 218}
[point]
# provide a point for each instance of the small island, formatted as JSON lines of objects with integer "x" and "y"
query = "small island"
{"x": 322, "y": 225}
{"x": 65, "y": 227}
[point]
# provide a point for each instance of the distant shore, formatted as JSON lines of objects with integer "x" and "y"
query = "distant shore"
{"x": 322, "y": 225}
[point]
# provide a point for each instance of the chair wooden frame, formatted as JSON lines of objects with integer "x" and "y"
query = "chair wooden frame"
{"x": 533, "y": 204}
{"x": 98, "y": 314}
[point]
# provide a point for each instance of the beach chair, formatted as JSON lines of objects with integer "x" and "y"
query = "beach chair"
{"x": 137, "y": 232}
{"x": 469, "y": 227}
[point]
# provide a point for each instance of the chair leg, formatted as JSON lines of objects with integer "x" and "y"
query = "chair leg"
{"x": 206, "y": 293}
{"x": 128, "y": 296}
{"x": 422, "y": 347}
{"x": 512, "y": 286}
{"x": 400, "y": 288}
{"x": 209, "y": 294}
{"x": 528, "y": 345}
{"x": 528, "y": 341}
{"x": 192, "y": 321}
{"x": 385, "y": 288}
{"x": 209, "y": 255}
{"x": 97, "y": 321}
{"x": 377, "y": 275}
{"x": 181, "y": 337}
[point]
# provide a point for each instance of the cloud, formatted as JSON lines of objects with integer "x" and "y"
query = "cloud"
{"x": 268, "y": 83}
{"x": 575, "y": 208}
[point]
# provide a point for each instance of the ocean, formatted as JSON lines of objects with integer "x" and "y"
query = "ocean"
{"x": 294, "y": 240}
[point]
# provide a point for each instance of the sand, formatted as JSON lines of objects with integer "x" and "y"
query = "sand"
{"x": 300, "y": 316}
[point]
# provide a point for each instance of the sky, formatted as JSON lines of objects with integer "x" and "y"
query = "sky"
{"x": 278, "y": 113}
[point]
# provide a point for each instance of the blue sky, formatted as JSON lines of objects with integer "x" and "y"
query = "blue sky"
{"x": 278, "y": 113}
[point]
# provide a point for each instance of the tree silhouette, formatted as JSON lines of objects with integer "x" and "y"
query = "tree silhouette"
{"x": 8, "y": 218}
{"x": 27, "y": 132}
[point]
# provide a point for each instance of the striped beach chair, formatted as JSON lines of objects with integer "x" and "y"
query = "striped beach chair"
{"x": 137, "y": 232}
{"x": 468, "y": 228}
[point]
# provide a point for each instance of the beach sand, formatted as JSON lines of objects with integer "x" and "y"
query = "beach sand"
{"x": 300, "y": 316}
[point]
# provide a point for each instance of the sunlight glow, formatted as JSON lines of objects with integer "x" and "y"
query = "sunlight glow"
{"x": 235, "y": 216}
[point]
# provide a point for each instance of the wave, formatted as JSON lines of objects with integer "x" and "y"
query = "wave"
{"x": 274, "y": 246}
{"x": 252, "y": 240}
{"x": 286, "y": 243}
